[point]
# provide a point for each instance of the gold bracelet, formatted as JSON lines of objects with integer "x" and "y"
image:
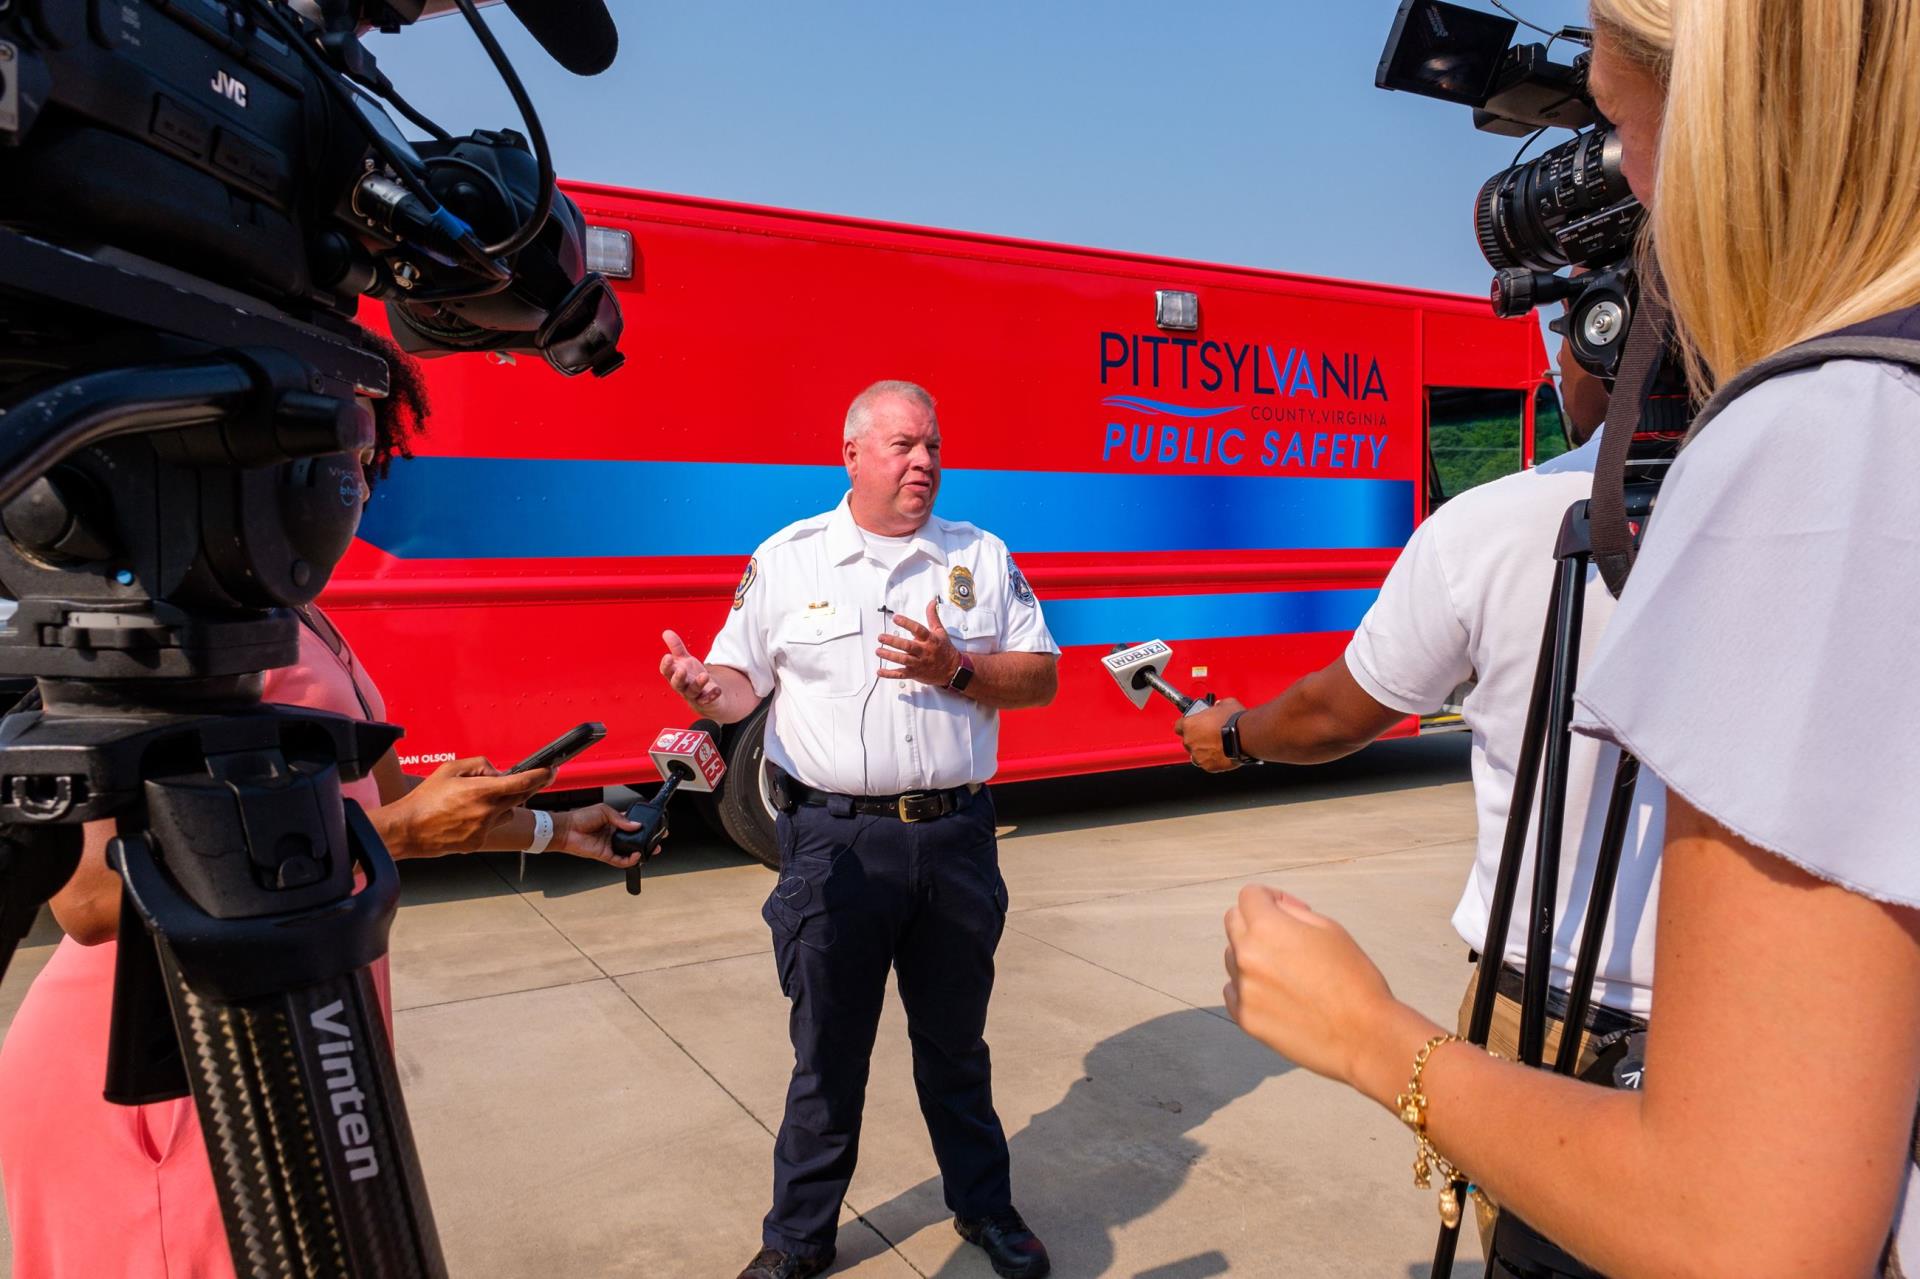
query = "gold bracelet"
{"x": 1412, "y": 1108}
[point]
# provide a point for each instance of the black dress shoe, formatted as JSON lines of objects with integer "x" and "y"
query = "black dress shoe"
{"x": 771, "y": 1263}
{"x": 1014, "y": 1251}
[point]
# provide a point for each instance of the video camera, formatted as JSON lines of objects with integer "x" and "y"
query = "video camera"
{"x": 1568, "y": 206}
{"x": 195, "y": 195}
{"x": 240, "y": 142}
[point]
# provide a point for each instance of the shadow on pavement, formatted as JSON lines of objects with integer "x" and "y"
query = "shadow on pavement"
{"x": 1115, "y": 1148}
{"x": 1203, "y": 1266}
{"x": 1106, "y": 799}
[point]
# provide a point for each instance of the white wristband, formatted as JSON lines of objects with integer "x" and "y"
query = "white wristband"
{"x": 542, "y": 831}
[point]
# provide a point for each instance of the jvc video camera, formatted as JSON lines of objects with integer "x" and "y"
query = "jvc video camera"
{"x": 1568, "y": 206}
{"x": 239, "y": 142}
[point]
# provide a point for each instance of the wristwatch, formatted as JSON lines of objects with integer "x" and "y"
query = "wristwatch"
{"x": 1230, "y": 739}
{"x": 962, "y": 675}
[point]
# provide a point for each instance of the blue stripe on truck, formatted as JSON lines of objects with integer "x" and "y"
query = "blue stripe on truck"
{"x": 470, "y": 508}
{"x": 1135, "y": 619}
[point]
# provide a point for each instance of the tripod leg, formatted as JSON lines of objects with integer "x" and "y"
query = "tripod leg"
{"x": 1606, "y": 870}
{"x": 1571, "y": 588}
{"x": 35, "y": 862}
{"x": 1548, "y": 733}
{"x": 1526, "y": 774}
{"x": 292, "y": 1072}
{"x": 300, "y": 1082}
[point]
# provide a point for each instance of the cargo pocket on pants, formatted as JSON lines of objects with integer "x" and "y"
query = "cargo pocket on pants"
{"x": 796, "y": 912}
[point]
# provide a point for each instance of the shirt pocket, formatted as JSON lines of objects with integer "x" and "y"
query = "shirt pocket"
{"x": 976, "y": 631}
{"x": 824, "y": 652}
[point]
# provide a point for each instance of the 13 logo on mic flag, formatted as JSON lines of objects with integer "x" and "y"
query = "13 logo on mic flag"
{"x": 746, "y": 581}
{"x": 960, "y": 587}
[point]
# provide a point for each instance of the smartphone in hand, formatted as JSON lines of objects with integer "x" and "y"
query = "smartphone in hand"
{"x": 562, "y": 748}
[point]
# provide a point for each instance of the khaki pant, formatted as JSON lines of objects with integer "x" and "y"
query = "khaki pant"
{"x": 1503, "y": 1039}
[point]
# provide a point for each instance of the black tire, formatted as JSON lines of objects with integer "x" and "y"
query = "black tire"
{"x": 743, "y": 807}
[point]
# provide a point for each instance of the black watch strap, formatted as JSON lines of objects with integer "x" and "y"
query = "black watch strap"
{"x": 1230, "y": 739}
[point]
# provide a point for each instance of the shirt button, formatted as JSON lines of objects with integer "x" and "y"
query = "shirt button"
{"x": 909, "y": 736}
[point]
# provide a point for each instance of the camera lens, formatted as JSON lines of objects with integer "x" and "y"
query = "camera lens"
{"x": 1568, "y": 205}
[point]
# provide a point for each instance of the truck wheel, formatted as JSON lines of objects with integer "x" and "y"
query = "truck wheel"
{"x": 744, "y": 808}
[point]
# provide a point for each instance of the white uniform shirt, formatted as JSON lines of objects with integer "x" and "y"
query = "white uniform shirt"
{"x": 1467, "y": 599}
{"x": 806, "y": 626}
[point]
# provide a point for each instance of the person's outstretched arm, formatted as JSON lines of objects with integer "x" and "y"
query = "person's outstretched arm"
{"x": 1773, "y": 1132}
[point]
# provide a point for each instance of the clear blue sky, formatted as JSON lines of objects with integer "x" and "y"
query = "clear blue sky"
{"x": 1241, "y": 132}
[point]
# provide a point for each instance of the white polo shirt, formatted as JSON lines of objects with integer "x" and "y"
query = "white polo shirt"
{"x": 1466, "y": 600}
{"x": 806, "y": 626}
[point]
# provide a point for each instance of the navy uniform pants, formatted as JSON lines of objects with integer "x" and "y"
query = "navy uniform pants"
{"x": 860, "y": 895}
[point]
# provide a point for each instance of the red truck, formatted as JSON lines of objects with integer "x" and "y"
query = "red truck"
{"x": 1222, "y": 458}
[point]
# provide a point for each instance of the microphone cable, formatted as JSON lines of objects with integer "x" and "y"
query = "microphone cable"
{"x": 866, "y": 785}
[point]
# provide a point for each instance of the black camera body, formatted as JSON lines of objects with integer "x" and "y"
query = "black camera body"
{"x": 189, "y": 181}
{"x": 1569, "y": 206}
{"x": 208, "y": 135}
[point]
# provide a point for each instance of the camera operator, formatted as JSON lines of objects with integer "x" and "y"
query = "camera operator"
{"x": 1756, "y": 665}
{"x": 94, "y": 1188}
{"x": 1464, "y": 601}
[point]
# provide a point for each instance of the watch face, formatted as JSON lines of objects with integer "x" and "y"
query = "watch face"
{"x": 1230, "y": 738}
{"x": 963, "y": 676}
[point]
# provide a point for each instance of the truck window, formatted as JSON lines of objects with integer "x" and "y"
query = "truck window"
{"x": 1473, "y": 435}
{"x": 1549, "y": 426}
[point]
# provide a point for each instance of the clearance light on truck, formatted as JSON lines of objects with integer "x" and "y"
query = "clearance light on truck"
{"x": 1172, "y": 308}
{"x": 610, "y": 252}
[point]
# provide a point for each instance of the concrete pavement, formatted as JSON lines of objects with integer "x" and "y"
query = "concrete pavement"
{"x": 594, "y": 1080}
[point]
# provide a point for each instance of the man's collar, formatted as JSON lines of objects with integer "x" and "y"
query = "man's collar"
{"x": 845, "y": 543}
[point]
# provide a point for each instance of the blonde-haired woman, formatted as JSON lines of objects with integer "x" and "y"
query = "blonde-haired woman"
{"x": 1760, "y": 664}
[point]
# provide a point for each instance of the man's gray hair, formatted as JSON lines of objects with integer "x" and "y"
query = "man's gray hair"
{"x": 860, "y": 412}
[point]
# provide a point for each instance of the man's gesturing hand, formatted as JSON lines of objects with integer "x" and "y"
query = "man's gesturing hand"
{"x": 687, "y": 674}
{"x": 924, "y": 653}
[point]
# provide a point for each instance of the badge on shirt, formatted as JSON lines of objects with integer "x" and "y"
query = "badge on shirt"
{"x": 960, "y": 587}
{"x": 1018, "y": 581}
{"x": 746, "y": 581}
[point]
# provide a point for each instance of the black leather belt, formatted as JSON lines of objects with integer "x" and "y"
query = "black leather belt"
{"x": 1601, "y": 1019}
{"x": 908, "y": 806}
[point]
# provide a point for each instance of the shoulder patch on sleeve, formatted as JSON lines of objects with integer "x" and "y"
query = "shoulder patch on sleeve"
{"x": 746, "y": 582}
{"x": 1017, "y": 581}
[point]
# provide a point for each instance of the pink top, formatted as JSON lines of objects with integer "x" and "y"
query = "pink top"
{"x": 98, "y": 1191}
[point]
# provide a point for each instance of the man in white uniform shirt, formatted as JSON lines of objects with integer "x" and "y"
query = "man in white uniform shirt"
{"x": 1467, "y": 600}
{"x": 890, "y": 640}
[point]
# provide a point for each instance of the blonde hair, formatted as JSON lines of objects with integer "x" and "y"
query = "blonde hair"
{"x": 1788, "y": 196}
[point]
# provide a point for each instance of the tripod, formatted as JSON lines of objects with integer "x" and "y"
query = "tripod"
{"x": 1518, "y": 1252}
{"x": 165, "y": 497}
{"x": 1602, "y": 531}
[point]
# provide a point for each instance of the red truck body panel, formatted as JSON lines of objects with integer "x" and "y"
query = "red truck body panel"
{"x": 1238, "y": 491}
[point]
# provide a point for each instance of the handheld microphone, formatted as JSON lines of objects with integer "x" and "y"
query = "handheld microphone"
{"x": 686, "y": 757}
{"x": 1137, "y": 671}
{"x": 578, "y": 34}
